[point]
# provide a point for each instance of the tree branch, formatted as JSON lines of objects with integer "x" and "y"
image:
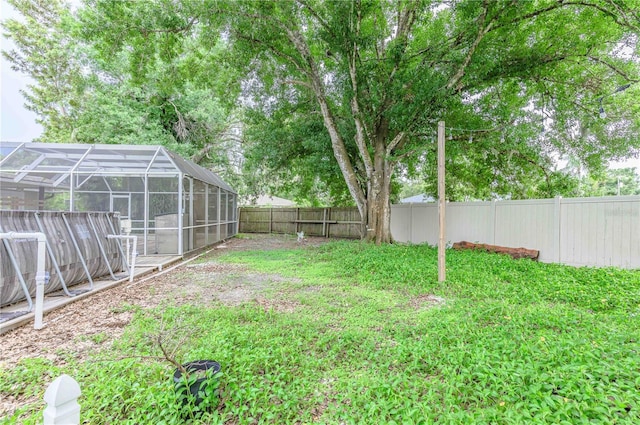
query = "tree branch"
{"x": 223, "y": 135}
{"x": 339, "y": 148}
{"x": 625, "y": 22}
{"x": 184, "y": 28}
{"x": 180, "y": 126}
{"x": 518, "y": 70}
{"x": 315, "y": 14}
{"x": 275, "y": 51}
{"x": 399, "y": 138}
{"x": 298, "y": 83}
{"x": 361, "y": 132}
{"x": 406, "y": 19}
{"x": 614, "y": 69}
{"x": 517, "y": 153}
{"x": 563, "y": 3}
{"x": 533, "y": 14}
{"x": 405, "y": 22}
{"x": 482, "y": 31}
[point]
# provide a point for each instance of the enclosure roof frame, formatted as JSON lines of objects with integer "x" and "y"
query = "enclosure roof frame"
{"x": 65, "y": 159}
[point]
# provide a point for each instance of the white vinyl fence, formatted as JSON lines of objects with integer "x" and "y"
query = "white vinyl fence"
{"x": 580, "y": 231}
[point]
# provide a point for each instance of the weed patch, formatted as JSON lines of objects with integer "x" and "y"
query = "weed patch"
{"x": 370, "y": 336}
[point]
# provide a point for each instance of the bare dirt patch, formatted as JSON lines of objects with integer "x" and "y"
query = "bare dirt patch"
{"x": 87, "y": 325}
{"x": 425, "y": 301}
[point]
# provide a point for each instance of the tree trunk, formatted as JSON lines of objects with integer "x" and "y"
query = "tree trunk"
{"x": 379, "y": 212}
{"x": 378, "y": 194}
{"x": 374, "y": 205}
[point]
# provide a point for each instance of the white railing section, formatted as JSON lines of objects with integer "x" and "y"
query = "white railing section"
{"x": 134, "y": 253}
{"x": 41, "y": 275}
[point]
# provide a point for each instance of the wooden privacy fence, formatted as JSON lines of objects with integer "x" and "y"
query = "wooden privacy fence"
{"x": 577, "y": 231}
{"x": 333, "y": 222}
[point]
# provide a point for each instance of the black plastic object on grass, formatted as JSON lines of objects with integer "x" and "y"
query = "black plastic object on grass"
{"x": 202, "y": 381}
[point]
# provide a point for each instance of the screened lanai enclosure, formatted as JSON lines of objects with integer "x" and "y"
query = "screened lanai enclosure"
{"x": 172, "y": 204}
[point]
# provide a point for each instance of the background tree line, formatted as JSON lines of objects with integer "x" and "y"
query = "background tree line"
{"x": 336, "y": 102}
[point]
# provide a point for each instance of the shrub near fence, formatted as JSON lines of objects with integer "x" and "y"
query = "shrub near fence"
{"x": 328, "y": 222}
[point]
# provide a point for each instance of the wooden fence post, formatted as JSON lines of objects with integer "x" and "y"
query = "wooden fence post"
{"x": 442, "y": 269}
{"x": 324, "y": 222}
{"x": 62, "y": 402}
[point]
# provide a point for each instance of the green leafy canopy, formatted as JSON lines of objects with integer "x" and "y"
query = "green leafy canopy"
{"x": 519, "y": 83}
{"x": 342, "y": 98}
{"x": 126, "y": 73}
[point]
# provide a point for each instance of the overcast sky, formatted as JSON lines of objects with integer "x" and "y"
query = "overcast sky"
{"x": 19, "y": 124}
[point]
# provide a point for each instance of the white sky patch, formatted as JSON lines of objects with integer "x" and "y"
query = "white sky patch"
{"x": 629, "y": 163}
{"x": 18, "y": 124}
{"x": 439, "y": 7}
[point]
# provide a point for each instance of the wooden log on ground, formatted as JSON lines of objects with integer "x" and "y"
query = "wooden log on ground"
{"x": 513, "y": 252}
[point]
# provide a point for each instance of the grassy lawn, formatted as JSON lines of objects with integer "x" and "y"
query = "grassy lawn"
{"x": 355, "y": 333}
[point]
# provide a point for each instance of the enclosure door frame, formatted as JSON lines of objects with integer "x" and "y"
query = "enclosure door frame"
{"x": 115, "y": 197}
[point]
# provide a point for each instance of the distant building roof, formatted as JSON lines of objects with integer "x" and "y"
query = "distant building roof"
{"x": 269, "y": 201}
{"x": 417, "y": 199}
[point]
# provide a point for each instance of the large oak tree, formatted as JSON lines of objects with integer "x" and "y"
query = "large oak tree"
{"x": 380, "y": 74}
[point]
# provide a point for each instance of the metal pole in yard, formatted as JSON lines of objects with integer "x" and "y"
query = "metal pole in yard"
{"x": 442, "y": 272}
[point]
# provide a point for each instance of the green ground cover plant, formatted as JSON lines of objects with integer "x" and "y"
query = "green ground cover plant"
{"x": 375, "y": 339}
